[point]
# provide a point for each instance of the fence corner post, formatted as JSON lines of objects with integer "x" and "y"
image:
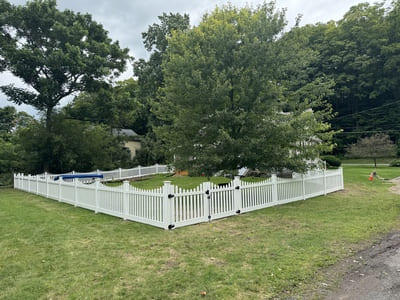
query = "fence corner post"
{"x": 274, "y": 181}
{"x": 207, "y": 201}
{"x": 324, "y": 172}
{"x": 341, "y": 179}
{"x": 96, "y": 194}
{"x": 168, "y": 213}
{"x": 237, "y": 194}
{"x": 303, "y": 183}
{"x": 126, "y": 199}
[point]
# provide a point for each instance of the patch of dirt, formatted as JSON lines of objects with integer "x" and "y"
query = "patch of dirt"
{"x": 396, "y": 188}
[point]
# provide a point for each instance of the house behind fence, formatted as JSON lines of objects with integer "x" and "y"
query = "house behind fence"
{"x": 171, "y": 206}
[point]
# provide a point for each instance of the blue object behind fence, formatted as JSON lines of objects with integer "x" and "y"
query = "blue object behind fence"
{"x": 73, "y": 176}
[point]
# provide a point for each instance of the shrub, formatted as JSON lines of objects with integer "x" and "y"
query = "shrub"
{"x": 331, "y": 161}
{"x": 395, "y": 163}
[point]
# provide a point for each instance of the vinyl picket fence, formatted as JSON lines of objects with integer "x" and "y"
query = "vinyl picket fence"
{"x": 171, "y": 206}
{"x": 120, "y": 174}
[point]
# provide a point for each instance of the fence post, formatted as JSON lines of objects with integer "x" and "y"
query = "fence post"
{"x": 119, "y": 173}
{"x": 274, "y": 181}
{"x": 29, "y": 183}
{"x": 139, "y": 171}
{"x": 75, "y": 192}
{"x": 303, "y": 182}
{"x": 324, "y": 172}
{"x": 341, "y": 179}
{"x": 37, "y": 184}
{"x": 156, "y": 168}
{"x": 96, "y": 194}
{"x": 168, "y": 214}
{"x": 207, "y": 201}
{"x": 126, "y": 199}
{"x": 237, "y": 194}
{"x": 59, "y": 188}
{"x": 47, "y": 184}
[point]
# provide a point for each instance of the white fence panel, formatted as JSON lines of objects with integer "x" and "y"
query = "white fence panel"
{"x": 146, "y": 206}
{"x": 42, "y": 187}
{"x": 67, "y": 192}
{"x": 256, "y": 195}
{"x": 86, "y": 196}
{"x": 314, "y": 186}
{"x": 333, "y": 181}
{"x": 290, "y": 190}
{"x": 53, "y": 188}
{"x": 222, "y": 202}
{"x": 110, "y": 201}
{"x": 188, "y": 206}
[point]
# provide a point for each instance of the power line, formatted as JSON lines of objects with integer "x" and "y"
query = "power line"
{"x": 360, "y": 112}
{"x": 369, "y": 131}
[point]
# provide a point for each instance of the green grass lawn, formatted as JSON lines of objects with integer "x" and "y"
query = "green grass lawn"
{"x": 369, "y": 161}
{"x": 53, "y": 250}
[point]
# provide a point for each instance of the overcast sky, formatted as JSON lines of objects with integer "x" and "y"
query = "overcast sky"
{"x": 125, "y": 20}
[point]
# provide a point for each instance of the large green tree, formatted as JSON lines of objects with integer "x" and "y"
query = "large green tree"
{"x": 150, "y": 77}
{"x": 76, "y": 145}
{"x": 56, "y": 53}
{"x": 225, "y": 101}
{"x": 117, "y": 107}
{"x": 375, "y": 146}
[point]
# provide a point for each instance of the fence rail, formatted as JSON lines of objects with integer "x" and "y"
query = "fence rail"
{"x": 171, "y": 206}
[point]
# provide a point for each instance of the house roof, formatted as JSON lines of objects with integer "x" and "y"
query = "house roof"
{"x": 124, "y": 132}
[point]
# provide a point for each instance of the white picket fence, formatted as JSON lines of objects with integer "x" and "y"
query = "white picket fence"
{"x": 119, "y": 174}
{"x": 171, "y": 206}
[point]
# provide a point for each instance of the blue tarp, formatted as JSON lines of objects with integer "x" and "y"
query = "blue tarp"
{"x": 73, "y": 176}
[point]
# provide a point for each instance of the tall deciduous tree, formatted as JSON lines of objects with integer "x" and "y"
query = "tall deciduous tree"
{"x": 118, "y": 107}
{"x": 375, "y": 146}
{"x": 56, "y": 53}
{"x": 224, "y": 97}
{"x": 151, "y": 78}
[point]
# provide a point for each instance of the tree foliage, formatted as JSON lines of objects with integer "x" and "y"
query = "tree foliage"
{"x": 74, "y": 145}
{"x": 375, "y": 146}
{"x": 224, "y": 96}
{"x": 117, "y": 107}
{"x": 56, "y": 53}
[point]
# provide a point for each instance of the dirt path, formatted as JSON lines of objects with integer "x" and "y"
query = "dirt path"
{"x": 374, "y": 273}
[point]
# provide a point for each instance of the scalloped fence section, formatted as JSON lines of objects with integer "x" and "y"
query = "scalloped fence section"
{"x": 170, "y": 206}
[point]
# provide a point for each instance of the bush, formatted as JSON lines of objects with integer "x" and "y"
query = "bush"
{"x": 6, "y": 179}
{"x": 395, "y": 163}
{"x": 331, "y": 161}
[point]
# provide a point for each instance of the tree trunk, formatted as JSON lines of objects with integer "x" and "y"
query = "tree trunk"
{"x": 49, "y": 143}
{"x": 375, "y": 162}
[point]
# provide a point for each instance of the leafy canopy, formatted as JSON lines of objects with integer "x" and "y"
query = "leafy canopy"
{"x": 375, "y": 146}
{"x": 55, "y": 53}
{"x": 224, "y": 97}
